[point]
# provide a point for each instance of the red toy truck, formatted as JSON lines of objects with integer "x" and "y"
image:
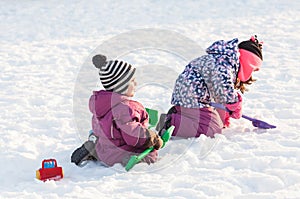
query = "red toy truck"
{"x": 49, "y": 171}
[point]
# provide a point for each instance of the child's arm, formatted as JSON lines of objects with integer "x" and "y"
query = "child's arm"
{"x": 222, "y": 84}
{"x": 139, "y": 136}
{"x": 134, "y": 132}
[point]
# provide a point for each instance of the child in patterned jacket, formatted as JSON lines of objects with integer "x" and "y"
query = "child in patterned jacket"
{"x": 215, "y": 77}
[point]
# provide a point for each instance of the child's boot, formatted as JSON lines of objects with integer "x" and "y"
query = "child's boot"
{"x": 86, "y": 152}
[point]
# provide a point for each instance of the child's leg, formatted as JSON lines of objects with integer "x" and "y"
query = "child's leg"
{"x": 215, "y": 123}
{"x": 86, "y": 151}
{"x": 224, "y": 117}
{"x": 192, "y": 122}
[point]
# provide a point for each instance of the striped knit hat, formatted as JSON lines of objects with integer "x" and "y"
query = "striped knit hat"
{"x": 114, "y": 74}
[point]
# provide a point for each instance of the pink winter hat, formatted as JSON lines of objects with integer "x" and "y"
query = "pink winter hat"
{"x": 250, "y": 58}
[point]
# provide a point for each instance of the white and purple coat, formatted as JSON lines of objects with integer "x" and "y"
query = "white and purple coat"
{"x": 208, "y": 78}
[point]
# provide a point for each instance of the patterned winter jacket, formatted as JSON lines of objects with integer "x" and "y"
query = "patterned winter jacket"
{"x": 210, "y": 77}
{"x": 120, "y": 125}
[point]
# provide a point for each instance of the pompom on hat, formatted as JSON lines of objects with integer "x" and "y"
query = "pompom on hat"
{"x": 250, "y": 57}
{"x": 115, "y": 75}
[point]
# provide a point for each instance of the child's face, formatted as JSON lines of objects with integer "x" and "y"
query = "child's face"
{"x": 131, "y": 88}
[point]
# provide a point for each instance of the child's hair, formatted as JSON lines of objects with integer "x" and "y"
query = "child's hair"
{"x": 242, "y": 85}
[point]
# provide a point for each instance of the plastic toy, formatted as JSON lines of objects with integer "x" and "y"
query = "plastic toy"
{"x": 153, "y": 117}
{"x": 134, "y": 159}
{"x": 255, "y": 122}
{"x": 49, "y": 171}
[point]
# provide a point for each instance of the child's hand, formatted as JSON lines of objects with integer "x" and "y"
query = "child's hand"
{"x": 159, "y": 143}
{"x": 236, "y": 108}
{"x": 153, "y": 140}
{"x": 151, "y": 157}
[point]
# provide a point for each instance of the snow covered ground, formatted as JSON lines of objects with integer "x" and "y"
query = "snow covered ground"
{"x": 44, "y": 47}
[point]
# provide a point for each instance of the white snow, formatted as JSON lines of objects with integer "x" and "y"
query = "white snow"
{"x": 45, "y": 44}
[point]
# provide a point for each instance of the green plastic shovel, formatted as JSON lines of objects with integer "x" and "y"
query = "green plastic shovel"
{"x": 134, "y": 159}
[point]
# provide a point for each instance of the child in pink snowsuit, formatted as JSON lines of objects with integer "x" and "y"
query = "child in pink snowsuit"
{"x": 215, "y": 77}
{"x": 119, "y": 124}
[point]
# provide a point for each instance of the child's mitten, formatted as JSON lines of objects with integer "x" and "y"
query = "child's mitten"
{"x": 236, "y": 108}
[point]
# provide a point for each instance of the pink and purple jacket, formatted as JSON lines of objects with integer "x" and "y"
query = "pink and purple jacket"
{"x": 120, "y": 125}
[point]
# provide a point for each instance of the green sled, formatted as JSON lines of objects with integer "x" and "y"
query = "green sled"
{"x": 153, "y": 117}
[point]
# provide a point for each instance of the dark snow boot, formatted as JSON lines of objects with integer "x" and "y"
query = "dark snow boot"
{"x": 161, "y": 123}
{"x": 165, "y": 121}
{"x": 85, "y": 153}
